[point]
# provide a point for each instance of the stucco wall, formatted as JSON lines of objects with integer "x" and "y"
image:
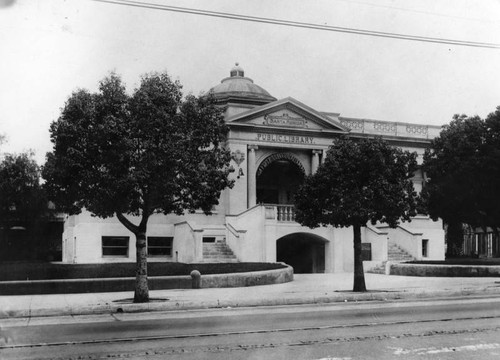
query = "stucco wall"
{"x": 410, "y": 235}
{"x": 248, "y": 247}
{"x": 237, "y": 196}
{"x": 83, "y": 241}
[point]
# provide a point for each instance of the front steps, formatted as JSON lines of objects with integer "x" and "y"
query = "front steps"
{"x": 394, "y": 254}
{"x": 218, "y": 252}
{"x": 397, "y": 254}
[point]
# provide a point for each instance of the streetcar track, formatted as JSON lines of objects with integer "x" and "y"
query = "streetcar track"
{"x": 270, "y": 331}
{"x": 229, "y": 348}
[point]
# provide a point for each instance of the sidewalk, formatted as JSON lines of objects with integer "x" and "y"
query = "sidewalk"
{"x": 305, "y": 289}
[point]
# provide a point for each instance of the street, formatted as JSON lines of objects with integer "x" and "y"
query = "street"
{"x": 467, "y": 328}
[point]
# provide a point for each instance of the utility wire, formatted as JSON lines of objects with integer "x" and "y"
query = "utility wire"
{"x": 300, "y": 24}
{"x": 421, "y": 12}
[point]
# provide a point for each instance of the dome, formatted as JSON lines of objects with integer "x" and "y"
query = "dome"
{"x": 239, "y": 88}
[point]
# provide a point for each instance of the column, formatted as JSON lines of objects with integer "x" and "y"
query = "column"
{"x": 251, "y": 176}
{"x": 315, "y": 160}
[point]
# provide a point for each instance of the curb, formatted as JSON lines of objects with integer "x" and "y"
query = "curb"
{"x": 173, "y": 305}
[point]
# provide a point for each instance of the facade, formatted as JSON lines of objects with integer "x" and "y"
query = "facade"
{"x": 481, "y": 243}
{"x": 274, "y": 145}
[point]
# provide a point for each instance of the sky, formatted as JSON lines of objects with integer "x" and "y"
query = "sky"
{"x": 50, "y": 48}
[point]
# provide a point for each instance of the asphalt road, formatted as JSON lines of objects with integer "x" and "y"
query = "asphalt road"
{"x": 431, "y": 329}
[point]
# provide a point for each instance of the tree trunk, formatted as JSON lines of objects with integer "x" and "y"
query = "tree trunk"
{"x": 141, "y": 294}
{"x": 359, "y": 274}
{"x": 141, "y": 272}
{"x": 454, "y": 239}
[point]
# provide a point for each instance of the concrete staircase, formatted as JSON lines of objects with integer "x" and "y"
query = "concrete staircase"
{"x": 394, "y": 254}
{"x": 218, "y": 252}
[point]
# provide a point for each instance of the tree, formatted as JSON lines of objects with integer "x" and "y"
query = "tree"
{"x": 359, "y": 181}
{"x": 463, "y": 169}
{"x": 23, "y": 203}
{"x": 21, "y": 195}
{"x": 150, "y": 152}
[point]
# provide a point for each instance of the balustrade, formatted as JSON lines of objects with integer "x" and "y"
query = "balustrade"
{"x": 286, "y": 213}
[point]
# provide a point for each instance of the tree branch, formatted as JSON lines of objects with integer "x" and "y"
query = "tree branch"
{"x": 127, "y": 223}
{"x": 144, "y": 221}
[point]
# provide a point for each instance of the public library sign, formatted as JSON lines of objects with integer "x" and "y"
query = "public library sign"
{"x": 288, "y": 139}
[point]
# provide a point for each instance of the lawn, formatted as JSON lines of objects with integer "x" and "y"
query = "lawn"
{"x": 47, "y": 271}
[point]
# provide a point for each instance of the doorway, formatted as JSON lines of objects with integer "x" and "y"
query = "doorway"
{"x": 304, "y": 252}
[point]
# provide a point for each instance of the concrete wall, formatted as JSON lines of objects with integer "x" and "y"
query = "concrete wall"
{"x": 82, "y": 237}
{"x": 248, "y": 247}
{"x": 68, "y": 286}
{"x": 432, "y": 231}
{"x": 277, "y": 276}
{"x": 444, "y": 270}
{"x": 237, "y": 196}
{"x": 369, "y": 234}
{"x": 253, "y": 236}
{"x": 410, "y": 235}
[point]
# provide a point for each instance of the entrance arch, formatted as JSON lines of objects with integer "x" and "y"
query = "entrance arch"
{"x": 278, "y": 178}
{"x": 302, "y": 251}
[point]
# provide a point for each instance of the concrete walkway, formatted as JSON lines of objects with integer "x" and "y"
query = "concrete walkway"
{"x": 305, "y": 289}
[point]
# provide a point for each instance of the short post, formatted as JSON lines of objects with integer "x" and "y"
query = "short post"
{"x": 195, "y": 279}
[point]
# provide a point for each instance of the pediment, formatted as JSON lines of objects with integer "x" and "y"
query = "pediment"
{"x": 288, "y": 114}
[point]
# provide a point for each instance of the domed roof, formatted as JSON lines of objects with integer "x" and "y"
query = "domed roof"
{"x": 239, "y": 88}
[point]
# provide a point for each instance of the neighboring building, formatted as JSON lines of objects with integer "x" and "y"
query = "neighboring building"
{"x": 274, "y": 145}
{"x": 480, "y": 243}
{"x": 24, "y": 239}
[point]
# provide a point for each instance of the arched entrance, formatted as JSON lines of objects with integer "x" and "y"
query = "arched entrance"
{"x": 278, "y": 178}
{"x": 304, "y": 252}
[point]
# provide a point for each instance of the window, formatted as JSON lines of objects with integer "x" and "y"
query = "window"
{"x": 209, "y": 239}
{"x": 160, "y": 246}
{"x": 115, "y": 246}
{"x": 366, "y": 251}
{"x": 425, "y": 248}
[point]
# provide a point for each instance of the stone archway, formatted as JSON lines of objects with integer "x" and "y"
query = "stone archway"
{"x": 278, "y": 178}
{"x": 302, "y": 251}
{"x": 280, "y": 157}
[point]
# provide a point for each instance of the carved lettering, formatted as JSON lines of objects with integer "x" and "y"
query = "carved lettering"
{"x": 290, "y": 139}
{"x": 285, "y": 120}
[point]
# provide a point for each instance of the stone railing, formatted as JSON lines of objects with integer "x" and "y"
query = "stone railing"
{"x": 391, "y": 128}
{"x": 282, "y": 213}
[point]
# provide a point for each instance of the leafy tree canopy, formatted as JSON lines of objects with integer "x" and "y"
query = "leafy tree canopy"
{"x": 360, "y": 181}
{"x": 150, "y": 152}
{"x": 22, "y": 199}
{"x": 140, "y": 154}
{"x": 463, "y": 169}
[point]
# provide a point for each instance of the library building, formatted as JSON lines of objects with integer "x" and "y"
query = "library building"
{"x": 274, "y": 144}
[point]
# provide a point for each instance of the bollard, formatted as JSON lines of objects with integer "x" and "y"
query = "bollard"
{"x": 195, "y": 279}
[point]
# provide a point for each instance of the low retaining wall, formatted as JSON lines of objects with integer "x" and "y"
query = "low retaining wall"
{"x": 71, "y": 286}
{"x": 277, "y": 276}
{"x": 444, "y": 270}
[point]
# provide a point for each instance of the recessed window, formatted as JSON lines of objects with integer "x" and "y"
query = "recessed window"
{"x": 366, "y": 251}
{"x": 209, "y": 239}
{"x": 116, "y": 246}
{"x": 160, "y": 245}
{"x": 425, "y": 248}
